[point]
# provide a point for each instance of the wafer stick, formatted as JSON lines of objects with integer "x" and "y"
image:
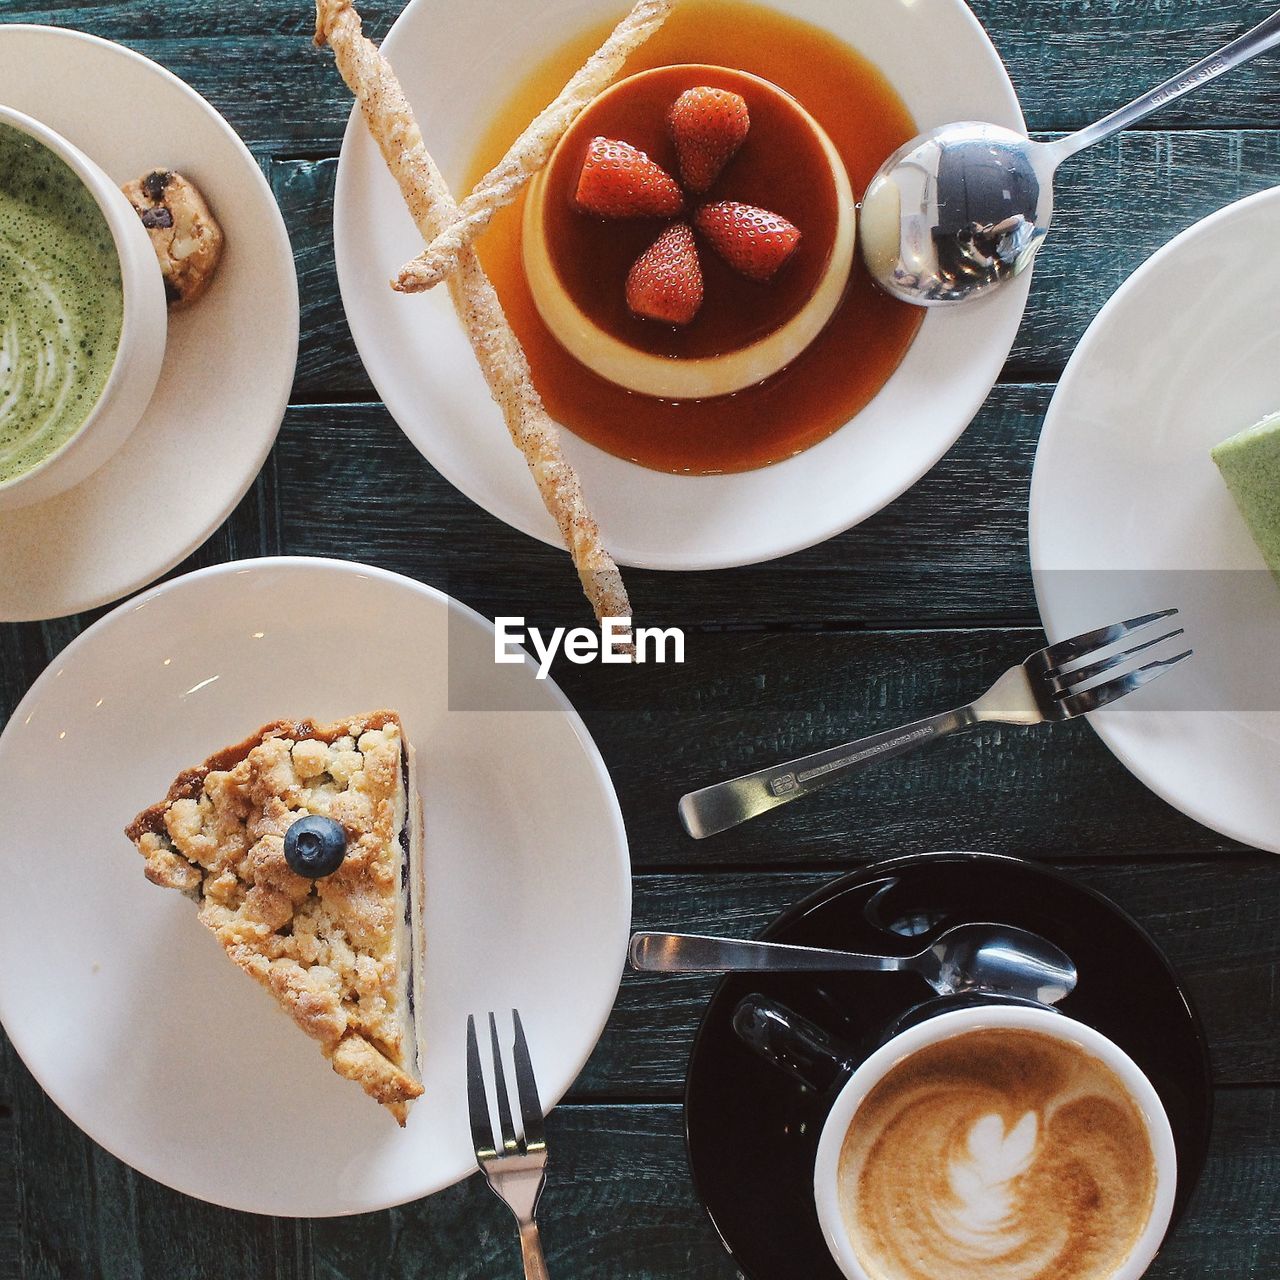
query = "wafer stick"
{"x": 532, "y": 149}
{"x": 502, "y": 360}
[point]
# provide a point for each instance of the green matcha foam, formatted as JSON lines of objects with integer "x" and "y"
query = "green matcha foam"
{"x": 1250, "y": 464}
{"x": 61, "y": 303}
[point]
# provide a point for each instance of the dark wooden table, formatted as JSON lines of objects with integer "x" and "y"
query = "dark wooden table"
{"x": 908, "y": 613}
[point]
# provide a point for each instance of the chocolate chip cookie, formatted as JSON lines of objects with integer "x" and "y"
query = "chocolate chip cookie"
{"x": 186, "y": 236}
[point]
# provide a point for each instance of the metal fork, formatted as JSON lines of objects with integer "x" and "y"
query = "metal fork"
{"x": 516, "y": 1170}
{"x": 1039, "y": 689}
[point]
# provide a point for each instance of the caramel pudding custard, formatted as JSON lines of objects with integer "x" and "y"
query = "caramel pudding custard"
{"x": 746, "y": 329}
{"x": 836, "y": 374}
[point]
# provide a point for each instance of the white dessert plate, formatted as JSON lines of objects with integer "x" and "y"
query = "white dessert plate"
{"x": 1129, "y": 513}
{"x": 458, "y": 63}
{"x": 124, "y": 1006}
{"x": 229, "y": 361}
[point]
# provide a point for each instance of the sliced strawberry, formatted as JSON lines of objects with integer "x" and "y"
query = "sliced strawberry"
{"x": 708, "y": 126}
{"x": 751, "y": 240}
{"x": 665, "y": 283}
{"x": 620, "y": 181}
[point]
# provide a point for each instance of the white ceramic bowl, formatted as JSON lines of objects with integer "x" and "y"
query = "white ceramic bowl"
{"x": 941, "y": 1027}
{"x": 143, "y": 330}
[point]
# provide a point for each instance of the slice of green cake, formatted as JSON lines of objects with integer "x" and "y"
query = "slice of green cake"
{"x": 1250, "y": 464}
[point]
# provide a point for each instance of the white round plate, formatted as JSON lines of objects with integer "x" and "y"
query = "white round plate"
{"x": 229, "y": 361}
{"x": 457, "y": 64}
{"x": 1129, "y": 513}
{"x": 124, "y": 1006}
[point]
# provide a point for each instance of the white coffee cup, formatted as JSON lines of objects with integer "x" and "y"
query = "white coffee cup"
{"x": 945, "y": 1025}
{"x": 143, "y": 329}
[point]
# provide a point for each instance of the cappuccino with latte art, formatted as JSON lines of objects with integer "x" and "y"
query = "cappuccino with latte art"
{"x": 999, "y": 1153}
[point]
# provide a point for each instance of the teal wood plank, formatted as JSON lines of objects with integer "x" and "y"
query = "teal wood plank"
{"x": 747, "y": 696}
{"x": 642, "y": 1225}
{"x": 80, "y": 1212}
{"x": 1218, "y": 922}
{"x": 1116, "y": 205}
{"x": 742, "y": 701}
{"x": 329, "y": 368}
{"x": 10, "y": 1229}
{"x": 950, "y": 551}
{"x": 1229, "y": 1231}
{"x": 618, "y": 1203}
{"x": 1070, "y": 61}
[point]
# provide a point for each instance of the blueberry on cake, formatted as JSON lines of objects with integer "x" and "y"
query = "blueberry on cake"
{"x": 302, "y": 848}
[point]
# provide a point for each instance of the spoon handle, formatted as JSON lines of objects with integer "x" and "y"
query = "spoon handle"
{"x": 1266, "y": 35}
{"x": 697, "y": 953}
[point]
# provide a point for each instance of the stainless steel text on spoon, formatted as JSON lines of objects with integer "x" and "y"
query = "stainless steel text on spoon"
{"x": 961, "y": 210}
{"x": 1047, "y": 686}
{"x": 994, "y": 958}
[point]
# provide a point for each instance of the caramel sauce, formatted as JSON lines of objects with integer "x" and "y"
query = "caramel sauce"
{"x": 842, "y": 369}
{"x": 781, "y": 167}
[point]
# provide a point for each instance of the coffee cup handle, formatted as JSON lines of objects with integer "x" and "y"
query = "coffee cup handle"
{"x": 793, "y": 1044}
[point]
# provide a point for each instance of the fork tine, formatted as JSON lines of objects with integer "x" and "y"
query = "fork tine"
{"x": 1069, "y": 679}
{"x": 1075, "y": 704}
{"x": 1089, "y": 641}
{"x": 509, "y": 1143}
{"x": 477, "y": 1103}
{"x": 527, "y": 1088}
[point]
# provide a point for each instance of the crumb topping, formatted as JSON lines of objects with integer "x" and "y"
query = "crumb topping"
{"x": 325, "y": 948}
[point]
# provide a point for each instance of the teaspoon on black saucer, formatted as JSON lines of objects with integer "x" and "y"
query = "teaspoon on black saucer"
{"x": 994, "y": 958}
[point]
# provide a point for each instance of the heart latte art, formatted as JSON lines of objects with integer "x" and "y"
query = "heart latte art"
{"x": 997, "y": 1155}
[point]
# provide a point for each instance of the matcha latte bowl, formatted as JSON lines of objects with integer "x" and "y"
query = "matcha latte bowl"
{"x": 82, "y": 278}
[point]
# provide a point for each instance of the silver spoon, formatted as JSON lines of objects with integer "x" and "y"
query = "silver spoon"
{"x": 962, "y": 210}
{"x": 994, "y": 958}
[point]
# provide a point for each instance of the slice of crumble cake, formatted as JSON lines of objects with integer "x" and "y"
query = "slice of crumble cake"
{"x": 302, "y": 847}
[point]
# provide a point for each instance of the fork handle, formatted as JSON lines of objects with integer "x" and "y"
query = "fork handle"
{"x": 726, "y": 804}
{"x": 535, "y": 1265}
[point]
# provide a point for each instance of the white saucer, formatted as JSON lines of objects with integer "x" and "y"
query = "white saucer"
{"x": 457, "y": 64}
{"x": 1129, "y": 513}
{"x": 229, "y": 361}
{"x": 122, "y": 1004}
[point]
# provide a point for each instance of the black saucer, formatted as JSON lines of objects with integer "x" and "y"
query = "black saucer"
{"x": 753, "y": 1131}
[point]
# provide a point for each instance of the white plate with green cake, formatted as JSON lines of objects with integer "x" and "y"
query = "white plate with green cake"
{"x": 1157, "y": 484}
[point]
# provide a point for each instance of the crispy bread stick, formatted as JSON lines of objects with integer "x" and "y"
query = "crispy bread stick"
{"x": 532, "y": 149}
{"x": 502, "y": 360}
